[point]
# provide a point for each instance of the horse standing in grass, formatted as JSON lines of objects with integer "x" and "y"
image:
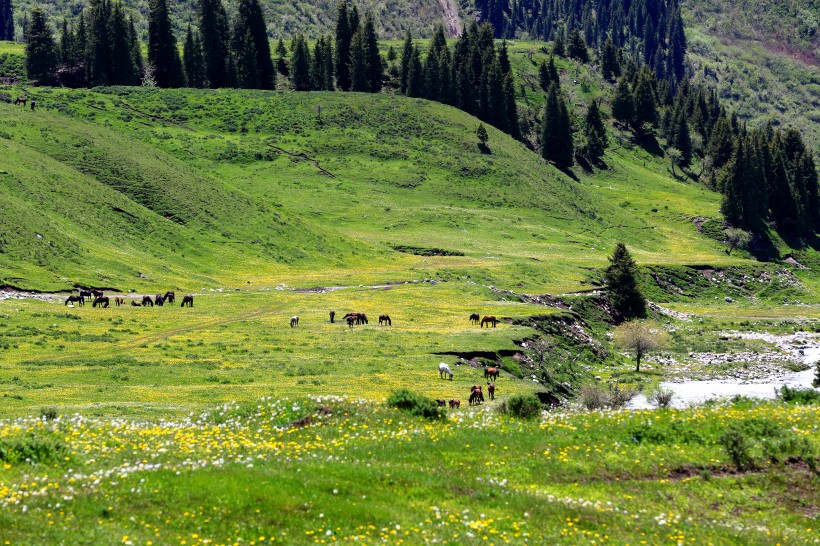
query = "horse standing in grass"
{"x": 294, "y": 321}
{"x": 146, "y": 301}
{"x": 86, "y": 294}
{"x": 101, "y": 301}
{"x": 441, "y": 403}
{"x": 491, "y": 373}
{"x": 20, "y": 100}
{"x": 169, "y": 296}
{"x": 189, "y": 299}
{"x": 78, "y": 299}
{"x": 455, "y": 403}
{"x": 97, "y": 293}
{"x": 385, "y": 319}
{"x": 159, "y": 300}
{"x": 332, "y": 315}
{"x": 474, "y": 318}
{"x": 118, "y": 301}
{"x": 491, "y": 390}
{"x": 443, "y": 368}
{"x": 489, "y": 320}
{"x": 476, "y": 396}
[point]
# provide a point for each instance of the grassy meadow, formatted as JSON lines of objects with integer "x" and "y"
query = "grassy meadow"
{"x": 221, "y": 424}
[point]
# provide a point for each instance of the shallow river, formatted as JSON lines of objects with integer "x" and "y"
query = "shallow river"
{"x": 693, "y": 392}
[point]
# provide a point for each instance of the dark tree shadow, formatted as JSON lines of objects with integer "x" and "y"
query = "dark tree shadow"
{"x": 484, "y": 148}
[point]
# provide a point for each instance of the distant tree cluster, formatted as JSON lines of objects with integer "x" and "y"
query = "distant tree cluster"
{"x": 474, "y": 76}
{"x": 6, "y": 20}
{"x": 649, "y": 31}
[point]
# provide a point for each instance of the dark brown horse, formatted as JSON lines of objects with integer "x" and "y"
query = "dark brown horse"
{"x": 169, "y": 296}
{"x": 489, "y": 320}
{"x": 96, "y": 293}
{"x": 189, "y": 299}
{"x": 33, "y": 104}
{"x": 20, "y": 100}
{"x": 159, "y": 299}
{"x": 385, "y": 319}
{"x": 101, "y": 301}
{"x": 455, "y": 403}
{"x": 491, "y": 373}
{"x": 332, "y": 316}
{"x": 146, "y": 301}
{"x": 78, "y": 299}
{"x": 474, "y": 318}
{"x": 491, "y": 390}
{"x": 441, "y": 403}
{"x": 357, "y": 318}
{"x": 476, "y": 396}
{"x": 118, "y": 301}
{"x": 86, "y": 294}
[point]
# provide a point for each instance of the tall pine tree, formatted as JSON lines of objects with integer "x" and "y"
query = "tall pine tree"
{"x": 215, "y": 35}
{"x": 193, "y": 61}
{"x": 556, "y": 133}
{"x": 163, "y": 54}
{"x": 41, "y": 55}
{"x": 250, "y": 22}
{"x": 344, "y": 34}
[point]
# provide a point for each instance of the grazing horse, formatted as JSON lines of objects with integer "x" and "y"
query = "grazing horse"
{"x": 491, "y": 373}
{"x": 332, "y": 315}
{"x": 489, "y": 320}
{"x": 159, "y": 300}
{"x": 355, "y": 318}
{"x": 385, "y": 319}
{"x": 169, "y": 296}
{"x": 351, "y": 321}
{"x": 491, "y": 390}
{"x": 441, "y": 403}
{"x": 118, "y": 301}
{"x": 474, "y": 318}
{"x": 189, "y": 299}
{"x": 294, "y": 321}
{"x": 96, "y": 293}
{"x": 146, "y": 301}
{"x": 455, "y": 403}
{"x": 20, "y": 100}
{"x": 78, "y": 299}
{"x": 101, "y": 301}
{"x": 476, "y": 396}
{"x": 443, "y": 368}
{"x": 86, "y": 294}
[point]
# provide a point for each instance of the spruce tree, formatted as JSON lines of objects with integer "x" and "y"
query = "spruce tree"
{"x": 677, "y": 46}
{"x": 552, "y": 71}
{"x": 558, "y": 48}
{"x": 162, "y": 47}
{"x": 406, "y": 60}
{"x": 513, "y": 127}
{"x": 300, "y": 69}
{"x": 504, "y": 58}
{"x": 415, "y": 75}
{"x": 621, "y": 279}
{"x": 359, "y": 66}
{"x": 98, "y": 61}
{"x": 250, "y": 22}
{"x": 623, "y": 106}
{"x": 6, "y": 20}
{"x": 124, "y": 71}
{"x": 556, "y": 133}
{"x": 720, "y": 146}
{"x": 609, "y": 61}
{"x": 215, "y": 35}
{"x": 281, "y": 62}
{"x": 328, "y": 58}
{"x": 594, "y": 132}
{"x": 344, "y": 34}
{"x": 544, "y": 76}
{"x": 317, "y": 66}
{"x": 577, "y": 47}
{"x": 135, "y": 48}
{"x": 375, "y": 67}
{"x": 65, "y": 52}
{"x": 646, "y": 110}
{"x": 41, "y": 55}
{"x": 192, "y": 59}
{"x": 247, "y": 70}
{"x": 743, "y": 186}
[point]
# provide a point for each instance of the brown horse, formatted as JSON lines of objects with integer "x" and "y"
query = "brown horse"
{"x": 78, "y": 299}
{"x": 118, "y": 301}
{"x": 169, "y": 296}
{"x": 476, "y": 396}
{"x": 385, "y": 319}
{"x": 441, "y": 403}
{"x": 455, "y": 403}
{"x": 20, "y": 100}
{"x": 491, "y": 390}
{"x": 159, "y": 299}
{"x": 355, "y": 318}
{"x": 491, "y": 373}
{"x": 101, "y": 301}
{"x": 189, "y": 299}
{"x": 86, "y": 294}
{"x": 489, "y": 320}
{"x": 332, "y": 315}
{"x": 474, "y": 318}
{"x": 96, "y": 293}
{"x": 146, "y": 301}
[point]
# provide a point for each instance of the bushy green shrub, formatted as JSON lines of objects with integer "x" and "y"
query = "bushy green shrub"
{"x": 524, "y": 406}
{"x": 33, "y": 449}
{"x": 738, "y": 448}
{"x": 798, "y": 395}
{"x": 50, "y": 413}
{"x": 418, "y": 405}
{"x": 661, "y": 397}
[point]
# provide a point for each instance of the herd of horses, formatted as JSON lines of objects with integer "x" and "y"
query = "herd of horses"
{"x": 99, "y": 299}
{"x": 488, "y": 320}
{"x": 476, "y": 393}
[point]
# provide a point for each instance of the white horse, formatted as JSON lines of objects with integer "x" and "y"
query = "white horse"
{"x": 443, "y": 368}
{"x": 294, "y": 321}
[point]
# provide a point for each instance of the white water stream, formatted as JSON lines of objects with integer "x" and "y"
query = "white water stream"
{"x": 694, "y": 392}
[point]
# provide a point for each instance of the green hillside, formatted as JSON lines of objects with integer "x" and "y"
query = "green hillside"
{"x": 327, "y": 182}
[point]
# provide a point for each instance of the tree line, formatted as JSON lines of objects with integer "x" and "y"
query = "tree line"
{"x": 6, "y": 20}
{"x": 651, "y": 31}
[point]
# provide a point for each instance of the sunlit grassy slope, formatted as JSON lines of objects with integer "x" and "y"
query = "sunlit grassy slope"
{"x": 316, "y": 188}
